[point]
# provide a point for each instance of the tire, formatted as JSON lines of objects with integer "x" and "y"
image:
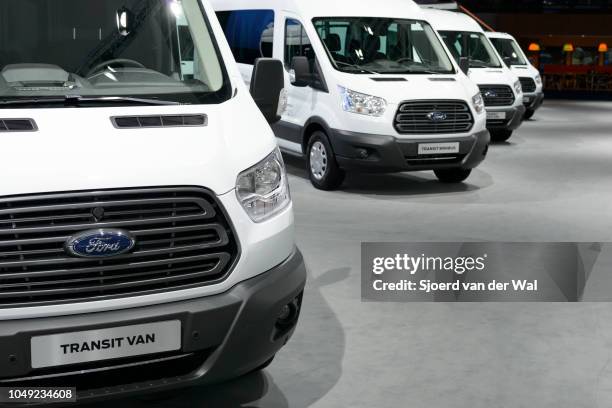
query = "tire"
{"x": 453, "y": 176}
{"x": 501, "y": 135}
{"x": 529, "y": 114}
{"x": 324, "y": 172}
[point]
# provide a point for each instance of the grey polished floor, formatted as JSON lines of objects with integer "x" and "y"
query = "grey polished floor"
{"x": 552, "y": 182}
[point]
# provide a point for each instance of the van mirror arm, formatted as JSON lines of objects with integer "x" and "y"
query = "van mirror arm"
{"x": 464, "y": 64}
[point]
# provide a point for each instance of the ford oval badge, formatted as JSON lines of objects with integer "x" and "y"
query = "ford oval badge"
{"x": 100, "y": 243}
{"x": 436, "y": 116}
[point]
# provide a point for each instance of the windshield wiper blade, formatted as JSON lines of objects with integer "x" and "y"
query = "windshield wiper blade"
{"x": 76, "y": 100}
{"x": 359, "y": 67}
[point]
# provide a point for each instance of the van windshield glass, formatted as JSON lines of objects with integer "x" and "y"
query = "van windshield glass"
{"x": 474, "y": 46}
{"x": 509, "y": 50}
{"x": 365, "y": 45}
{"x": 113, "y": 51}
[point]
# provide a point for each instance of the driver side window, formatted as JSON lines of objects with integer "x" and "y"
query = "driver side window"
{"x": 297, "y": 43}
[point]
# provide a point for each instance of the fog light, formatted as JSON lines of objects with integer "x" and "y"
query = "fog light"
{"x": 288, "y": 314}
{"x": 363, "y": 153}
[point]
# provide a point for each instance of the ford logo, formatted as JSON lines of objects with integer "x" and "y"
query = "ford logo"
{"x": 436, "y": 116}
{"x": 490, "y": 94}
{"x": 100, "y": 243}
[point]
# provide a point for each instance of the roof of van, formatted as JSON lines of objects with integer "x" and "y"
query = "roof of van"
{"x": 308, "y": 9}
{"x": 497, "y": 34}
{"x": 443, "y": 20}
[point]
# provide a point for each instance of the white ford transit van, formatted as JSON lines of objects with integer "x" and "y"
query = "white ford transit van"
{"x": 500, "y": 87}
{"x": 370, "y": 87}
{"x": 517, "y": 61}
{"x": 146, "y": 234}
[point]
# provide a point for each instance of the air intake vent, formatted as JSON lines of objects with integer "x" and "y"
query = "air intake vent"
{"x": 497, "y": 95}
{"x": 442, "y": 79}
{"x": 382, "y": 79}
{"x": 17, "y": 125}
{"x": 433, "y": 117}
{"x": 528, "y": 84}
{"x": 131, "y": 122}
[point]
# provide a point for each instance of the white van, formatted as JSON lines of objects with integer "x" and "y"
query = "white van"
{"x": 372, "y": 88}
{"x": 517, "y": 61}
{"x": 500, "y": 87}
{"x": 146, "y": 227}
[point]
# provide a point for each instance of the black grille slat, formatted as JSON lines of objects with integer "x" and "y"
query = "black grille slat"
{"x": 528, "y": 84}
{"x": 105, "y": 269}
{"x": 411, "y": 117}
{"x": 180, "y": 234}
{"x": 497, "y": 95}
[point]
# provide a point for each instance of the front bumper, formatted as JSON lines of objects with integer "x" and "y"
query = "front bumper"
{"x": 533, "y": 101}
{"x": 388, "y": 154}
{"x": 223, "y": 337}
{"x": 513, "y": 117}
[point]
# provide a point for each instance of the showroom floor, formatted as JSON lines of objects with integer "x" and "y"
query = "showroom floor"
{"x": 552, "y": 182}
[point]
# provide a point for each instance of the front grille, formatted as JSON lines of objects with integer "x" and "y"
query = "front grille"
{"x": 412, "y": 117}
{"x": 497, "y": 95}
{"x": 183, "y": 240}
{"x": 528, "y": 84}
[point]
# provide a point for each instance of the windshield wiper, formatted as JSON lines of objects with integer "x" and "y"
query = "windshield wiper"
{"x": 481, "y": 64}
{"x": 75, "y": 100}
{"x": 359, "y": 67}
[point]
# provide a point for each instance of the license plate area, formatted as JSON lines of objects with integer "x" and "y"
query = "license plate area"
{"x": 526, "y": 99}
{"x": 105, "y": 344}
{"x": 432, "y": 149}
{"x": 496, "y": 115}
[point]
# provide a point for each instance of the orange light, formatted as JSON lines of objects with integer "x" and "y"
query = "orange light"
{"x": 568, "y": 47}
{"x": 534, "y": 47}
{"x": 603, "y": 47}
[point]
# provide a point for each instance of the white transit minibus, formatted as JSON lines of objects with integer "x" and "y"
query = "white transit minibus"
{"x": 370, "y": 87}
{"x": 146, "y": 226}
{"x": 517, "y": 61}
{"x": 501, "y": 88}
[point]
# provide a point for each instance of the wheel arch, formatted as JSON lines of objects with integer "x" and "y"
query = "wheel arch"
{"x": 312, "y": 125}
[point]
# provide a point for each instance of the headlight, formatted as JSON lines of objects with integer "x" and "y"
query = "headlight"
{"x": 478, "y": 103}
{"x": 518, "y": 88}
{"x": 263, "y": 190}
{"x": 538, "y": 79}
{"x": 363, "y": 104}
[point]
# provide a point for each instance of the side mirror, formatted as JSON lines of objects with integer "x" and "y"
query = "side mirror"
{"x": 301, "y": 68}
{"x": 508, "y": 61}
{"x": 464, "y": 64}
{"x": 267, "y": 86}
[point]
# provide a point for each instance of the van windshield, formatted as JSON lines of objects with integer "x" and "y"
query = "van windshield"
{"x": 474, "y": 46}
{"x": 111, "y": 51}
{"x": 383, "y": 46}
{"x": 509, "y": 50}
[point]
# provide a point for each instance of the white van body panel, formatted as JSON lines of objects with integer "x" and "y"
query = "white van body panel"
{"x": 520, "y": 70}
{"x": 443, "y": 20}
{"x": 70, "y": 142}
{"x": 307, "y": 103}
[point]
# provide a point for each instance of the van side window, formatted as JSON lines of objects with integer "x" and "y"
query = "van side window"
{"x": 297, "y": 43}
{"x": 250, "y": 33}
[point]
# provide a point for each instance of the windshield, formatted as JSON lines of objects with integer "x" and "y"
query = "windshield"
{"x": 509, "y": 50}
{"x": 474, "y": 46}
{"x": 149, "y": 49}
{"x": 382, "y": 46}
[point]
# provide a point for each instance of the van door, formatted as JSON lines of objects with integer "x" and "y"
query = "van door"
{"x": 300, "y": 100}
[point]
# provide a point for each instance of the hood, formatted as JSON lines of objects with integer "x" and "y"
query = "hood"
{"x": 397, "y": 88}
{"x": 493, "y": 76}
{"x": 80, "y": 149}
{"x": 525, "y": 70}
